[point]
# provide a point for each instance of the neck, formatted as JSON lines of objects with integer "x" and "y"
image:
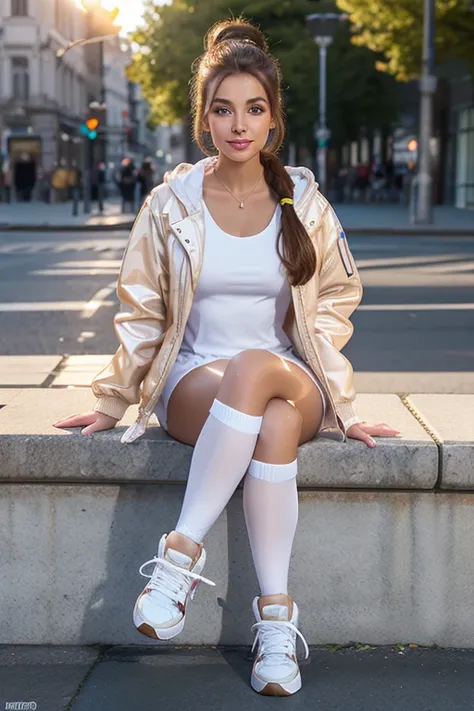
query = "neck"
{"x": 239, "y": 177}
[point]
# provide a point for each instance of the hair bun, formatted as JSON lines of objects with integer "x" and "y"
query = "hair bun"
{"x": 240, "y": 30}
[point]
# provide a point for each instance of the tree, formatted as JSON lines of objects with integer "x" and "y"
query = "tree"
{"x": 171, "y": 38}
{"x": 394, "y": 28}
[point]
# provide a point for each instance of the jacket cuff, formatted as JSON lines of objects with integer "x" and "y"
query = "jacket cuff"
{"x": 346, "y": 412}
{"x": 113, "y": 406}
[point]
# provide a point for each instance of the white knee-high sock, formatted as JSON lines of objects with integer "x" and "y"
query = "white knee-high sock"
{"x": 271, "y": 515}
{"x": 221, "y": 457}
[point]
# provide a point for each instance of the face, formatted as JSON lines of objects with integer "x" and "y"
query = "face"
{"x": 239, "y": 117}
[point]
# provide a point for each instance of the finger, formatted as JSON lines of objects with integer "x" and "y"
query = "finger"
{"x": 382, "y": 430}
{"x": 362, "y": 436}
{"x": 95, "y": 427}
{"x": 77, "y": 420}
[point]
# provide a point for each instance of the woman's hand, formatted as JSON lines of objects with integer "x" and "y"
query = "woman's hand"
{"x": 91, "y": 421}
{"x": 362, "y": 431}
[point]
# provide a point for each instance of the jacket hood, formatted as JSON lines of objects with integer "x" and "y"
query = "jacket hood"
{"x": 186, "y": 181}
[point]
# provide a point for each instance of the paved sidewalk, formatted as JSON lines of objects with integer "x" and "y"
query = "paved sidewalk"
{"x": 44, "y": 216}
{"x": 395, "y": 219}
{"x": 357, "y": 219}
{"x": 210, "y": 679}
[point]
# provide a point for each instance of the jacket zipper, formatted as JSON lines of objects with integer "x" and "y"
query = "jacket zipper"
{"x": 344, "y": 252}
{"x": 315, "y": 353}
{"x": 148, "y": 410}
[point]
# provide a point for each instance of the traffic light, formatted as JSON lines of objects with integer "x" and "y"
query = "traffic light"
{"x": 89, "y": 128}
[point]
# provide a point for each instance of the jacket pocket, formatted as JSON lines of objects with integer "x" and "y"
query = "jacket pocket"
{"x": 345, "y": 254}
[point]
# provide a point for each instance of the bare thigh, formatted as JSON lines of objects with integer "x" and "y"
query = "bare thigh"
{"x": 191, "y": 399}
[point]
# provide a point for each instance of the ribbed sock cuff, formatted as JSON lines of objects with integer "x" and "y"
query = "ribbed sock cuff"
{"x": 236, "y": 419}
{"x": 273, "y": 472}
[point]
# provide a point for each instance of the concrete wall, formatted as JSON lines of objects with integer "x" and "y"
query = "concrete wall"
{"x": 375, "y": 567}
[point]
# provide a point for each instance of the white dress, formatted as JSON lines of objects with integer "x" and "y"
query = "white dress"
{"x": 240, "y": 302}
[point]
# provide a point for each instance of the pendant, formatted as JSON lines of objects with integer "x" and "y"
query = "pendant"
{"x": 241, "y": 205}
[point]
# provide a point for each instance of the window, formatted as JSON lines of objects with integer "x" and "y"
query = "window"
{"x": 20, "y": 7}
{"x": 465, "y": 160}
{"x": 20, "y": 78}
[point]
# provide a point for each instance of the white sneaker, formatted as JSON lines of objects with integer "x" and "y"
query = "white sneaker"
{"x": 160, "y": 609}
{"x": 275, "y": 671}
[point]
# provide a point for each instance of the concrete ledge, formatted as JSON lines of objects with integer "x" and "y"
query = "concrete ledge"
{"x": 374, "y": 561}
{"x": 32, "y": 450}
{"x": 452, "y": 418}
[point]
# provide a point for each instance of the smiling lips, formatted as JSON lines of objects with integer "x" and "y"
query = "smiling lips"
{"x": 240, "y": 145}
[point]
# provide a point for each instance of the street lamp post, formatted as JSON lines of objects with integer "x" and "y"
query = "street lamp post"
{"x": 323, "y": 134}
{"x": 322, "y": 27}
{"x": 424, "y": 209}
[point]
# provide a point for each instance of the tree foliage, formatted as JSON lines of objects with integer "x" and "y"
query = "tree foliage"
{"x": 395, "y": 29}
{"x": 171, "y": 37}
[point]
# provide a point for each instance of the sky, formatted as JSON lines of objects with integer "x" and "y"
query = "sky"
{"x": 130, "y": 12}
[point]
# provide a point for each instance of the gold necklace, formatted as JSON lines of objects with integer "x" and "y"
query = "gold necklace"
{"x": 241, "y": 202}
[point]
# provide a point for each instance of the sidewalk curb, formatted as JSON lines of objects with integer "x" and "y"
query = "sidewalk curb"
{"x": 411, "y": 231}
{"x": 422, "y": 231}
{"x": 4, "y": 227}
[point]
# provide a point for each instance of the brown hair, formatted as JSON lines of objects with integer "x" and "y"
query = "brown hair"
{"x": 233, "y": 47}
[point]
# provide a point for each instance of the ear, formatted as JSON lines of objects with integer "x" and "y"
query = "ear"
{"x": 272, "y": 124}
{"x": 205, "y": 125}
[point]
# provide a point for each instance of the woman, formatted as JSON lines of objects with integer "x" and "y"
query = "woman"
{"x": 238, "y": 284}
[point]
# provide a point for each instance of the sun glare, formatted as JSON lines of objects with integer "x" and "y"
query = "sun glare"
{"x": 130, "y": 12}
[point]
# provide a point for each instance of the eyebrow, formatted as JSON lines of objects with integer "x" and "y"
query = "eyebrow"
{"x": 249, "y": 101}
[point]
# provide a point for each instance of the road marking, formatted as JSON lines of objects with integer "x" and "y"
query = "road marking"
{"x": 74, "y": 272}
{"x": 49, "y": 306}
{"x": 448, "y": 268}
{"x": 95, "y": 267}
{"x": 416, "y": 307}
{"x": 103, "y": 245}
{"x": 98, "y": 300}
{"x": 85, "y": 335}
{"x": 418, "y": 261}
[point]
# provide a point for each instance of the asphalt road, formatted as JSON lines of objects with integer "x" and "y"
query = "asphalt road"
{"x": 417, "y": 314}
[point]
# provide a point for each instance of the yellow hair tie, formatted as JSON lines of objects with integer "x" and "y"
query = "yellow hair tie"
{"x": 286, "y": 201}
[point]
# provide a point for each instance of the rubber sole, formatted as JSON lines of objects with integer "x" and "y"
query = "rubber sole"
{"x": 163, "y": 633}
{"x": 267, "y": 688}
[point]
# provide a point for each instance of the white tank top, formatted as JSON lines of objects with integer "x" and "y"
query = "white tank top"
{"x": 242, "y": 295}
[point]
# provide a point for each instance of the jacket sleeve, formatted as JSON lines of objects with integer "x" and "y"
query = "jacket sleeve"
{"x": 140, "y": 325}
{"x": 340, "y": 292}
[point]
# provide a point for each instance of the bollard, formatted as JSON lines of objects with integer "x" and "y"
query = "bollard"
{"x": 75, "y": 201}
{"x": 413, "y": 199}
{"x": 100, "y": 197}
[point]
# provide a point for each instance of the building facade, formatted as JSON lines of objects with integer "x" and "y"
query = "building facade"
{"x": 42, "y": 99}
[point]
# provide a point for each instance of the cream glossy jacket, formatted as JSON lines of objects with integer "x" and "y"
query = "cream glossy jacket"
{"x": 158, "y": 278}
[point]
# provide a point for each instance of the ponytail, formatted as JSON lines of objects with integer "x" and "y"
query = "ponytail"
{"x": 298, "y": 256}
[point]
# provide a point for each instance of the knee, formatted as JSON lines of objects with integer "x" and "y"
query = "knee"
{"x": 281, "y": 419}
{"x": 251, "y": 364}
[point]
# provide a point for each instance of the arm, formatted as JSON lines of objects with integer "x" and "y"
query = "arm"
{"x": 140, "y": 325}
{"x": 340, "y": 292}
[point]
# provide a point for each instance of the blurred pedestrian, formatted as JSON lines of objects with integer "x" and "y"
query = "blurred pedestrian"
{"x": 24, "y": 172}
{"x": 146, "y": 177}
{"x": 127, "y": 180}
{"x": 101, "y": 176}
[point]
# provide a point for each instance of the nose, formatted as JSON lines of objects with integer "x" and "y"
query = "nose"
{"x": 239, "y": 125}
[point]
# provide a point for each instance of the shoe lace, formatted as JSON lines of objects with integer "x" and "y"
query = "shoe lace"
{"x": 169, "y": 579}
{"x": 277, "y": 639}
